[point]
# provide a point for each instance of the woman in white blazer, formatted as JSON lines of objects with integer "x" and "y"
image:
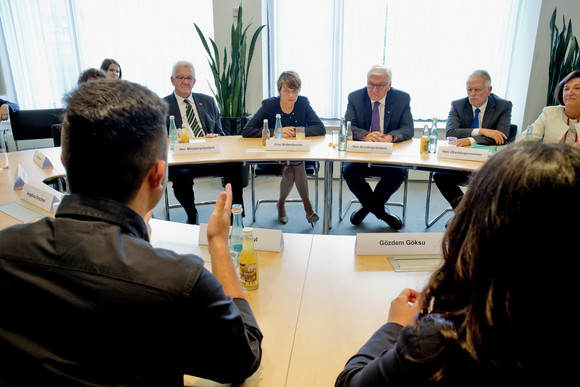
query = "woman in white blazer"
{"x": 560, "y": 124}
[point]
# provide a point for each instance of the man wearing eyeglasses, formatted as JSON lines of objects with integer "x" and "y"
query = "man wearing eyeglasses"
{"x": 201, "y": 114}
{"x": 377, "y": 112}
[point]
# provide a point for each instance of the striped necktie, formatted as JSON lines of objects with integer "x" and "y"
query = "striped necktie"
{"x": 192, "y": 120}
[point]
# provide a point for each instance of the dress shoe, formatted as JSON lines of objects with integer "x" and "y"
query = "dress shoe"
{"x": 358, "y": 216}
{"x": 392, "y": 220}
{"x": 449, "y": 221}
{"x": 313, "y": 218}
{"x": 282, "y": 218}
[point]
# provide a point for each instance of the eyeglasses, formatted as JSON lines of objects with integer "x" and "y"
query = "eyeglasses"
{"x": 183, "y": 79}
{"x": 378, "y": 86}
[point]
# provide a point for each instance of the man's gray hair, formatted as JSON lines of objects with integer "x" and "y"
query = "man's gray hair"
{"x": 380, "y": 70}
{"x": 183, "y": 63}
{"x": 480, "y": 74}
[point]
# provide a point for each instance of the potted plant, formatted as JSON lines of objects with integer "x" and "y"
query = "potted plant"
{"x": 231, "y": 76}
{"x": 564, "y": 55}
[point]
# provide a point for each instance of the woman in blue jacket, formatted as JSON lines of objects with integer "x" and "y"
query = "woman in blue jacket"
{"x": 295, "y": 111}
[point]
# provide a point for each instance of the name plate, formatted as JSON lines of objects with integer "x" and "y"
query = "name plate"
{"x": 39, "y": 197}
{"x": 21, "y": 177}
{"x": 41, "y": 160}
{"x": 369, "y": 147}
{"x": 461, "y": 153}
{"x": 287, "y": 145}
{"x": 264, "y": 239}
{"x": 398, "y": 243}
{"x": 197, "y": 146}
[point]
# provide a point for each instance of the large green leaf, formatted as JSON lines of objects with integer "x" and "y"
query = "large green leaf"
{"x": 231, "y": 76}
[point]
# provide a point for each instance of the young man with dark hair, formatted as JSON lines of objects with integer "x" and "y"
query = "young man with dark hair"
{"x": 86, "y": 299}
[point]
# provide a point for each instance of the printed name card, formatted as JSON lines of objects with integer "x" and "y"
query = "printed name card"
{"x": 197, "y": 146}
{"x": 21, "y": 177}
{"x": 461, "y": 153}
{"x": 41, "y": 160}
{"x": 39, "y": 197}
{"x": 264, "y": 239}
{"x": 287, "y": 145}
{"x": 369, "y": 147}
{"x": 398, "y": 244}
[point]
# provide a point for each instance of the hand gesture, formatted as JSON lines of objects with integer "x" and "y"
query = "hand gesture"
{"x": 405, "y": 307}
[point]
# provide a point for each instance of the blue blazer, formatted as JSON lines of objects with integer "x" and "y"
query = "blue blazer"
{"x": 11, "y": 105}
{"x": 207, "y": 110}
{"x": 498, "y": 113}
{"x": 302, "y": 115}
{"x": 398, "y": 120}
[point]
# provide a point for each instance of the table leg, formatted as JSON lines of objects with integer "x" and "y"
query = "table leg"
{"x": 327, "y": 216}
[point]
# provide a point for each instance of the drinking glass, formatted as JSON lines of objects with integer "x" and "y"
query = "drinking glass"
{"x": 300, "y": 135}
{"x": 334, "y": 138}
{"x": 3, "y": 153}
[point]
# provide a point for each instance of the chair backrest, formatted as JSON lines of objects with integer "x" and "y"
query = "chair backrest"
{"x": 56, "y": 129}
{"x": 34, "y": 124}
{"x": 512, "y": 133}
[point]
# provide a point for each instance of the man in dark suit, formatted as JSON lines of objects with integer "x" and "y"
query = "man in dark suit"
{"x": 200, "y": 112}
{"x": 482, "y": 118}
{"x": 377, "y": 112}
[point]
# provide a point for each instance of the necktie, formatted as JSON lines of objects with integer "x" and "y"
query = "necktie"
{"x": 192, "y": 120}
{"x": 475, "y": 122}
{"x": 375, "y": 123}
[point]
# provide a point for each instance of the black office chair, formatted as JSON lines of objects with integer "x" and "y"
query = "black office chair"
{"x": 513, "y": 131}
{"x": 56, "y": 129}
{"x": 275, "y": 169}
{"x": 342, "y": 212}
{"x": 37, "y": 125}
{"x": 34, "y": 124}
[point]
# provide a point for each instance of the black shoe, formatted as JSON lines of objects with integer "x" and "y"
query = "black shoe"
{"x": 358, "y": 216}
{"x": 447, "y": 223}
{"x": 392, "y": 220}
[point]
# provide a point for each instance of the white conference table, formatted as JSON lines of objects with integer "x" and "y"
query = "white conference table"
{"x": 317, "y": 303}
{"x": 35, "y": 175}
{"x": 250, "y": 150}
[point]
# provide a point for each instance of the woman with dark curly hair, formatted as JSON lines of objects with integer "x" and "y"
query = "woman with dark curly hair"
{"x": 494, "y": 313}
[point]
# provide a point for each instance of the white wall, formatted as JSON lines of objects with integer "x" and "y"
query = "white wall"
{"x": 223, "y": 19}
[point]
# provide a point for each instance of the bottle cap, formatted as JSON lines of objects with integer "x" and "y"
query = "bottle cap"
{"x": 170, "y": 117}
{"x": 248, "y": 231}
{"x": 237, "y": 209}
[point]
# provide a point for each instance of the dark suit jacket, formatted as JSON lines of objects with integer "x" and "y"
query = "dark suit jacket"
{"x": 398, "y": 118}
{"x": 206, "y": 109}
{"x": 498, "y": 113}
{"x": 302, "y": 115}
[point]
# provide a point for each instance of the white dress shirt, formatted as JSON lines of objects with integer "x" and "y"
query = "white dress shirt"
{"x": 183, "y": 109}
{"x": 475, "y": 131}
